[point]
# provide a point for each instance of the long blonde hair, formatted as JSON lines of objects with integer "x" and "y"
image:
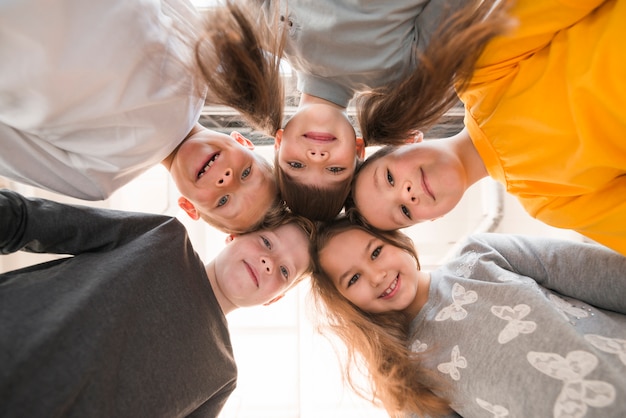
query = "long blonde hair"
{"x": 395, "y": 374}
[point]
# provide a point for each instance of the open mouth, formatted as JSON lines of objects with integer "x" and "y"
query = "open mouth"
{"x": 208, "y": 165}
{"x": 391, "y": 290}
{"x": 425, "y": 185}
{"x": 320, "y": 136}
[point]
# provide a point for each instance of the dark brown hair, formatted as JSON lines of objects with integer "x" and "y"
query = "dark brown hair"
{"x": 314, "y": 202}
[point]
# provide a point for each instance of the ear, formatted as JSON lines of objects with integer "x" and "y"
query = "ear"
{"x": 278, "y": 139}
{"x": 360, "y": 148}
{"x": 276, "y": 299}
{"x": 242, "y": 140}
{"x": 229, "y": 238}
{"x": 418, "y": 136}
{"x": 188, "y": 207}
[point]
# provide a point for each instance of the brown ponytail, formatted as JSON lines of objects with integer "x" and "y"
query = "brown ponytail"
{"x": 388, "y": 115}
{"x": 240, "y": 61}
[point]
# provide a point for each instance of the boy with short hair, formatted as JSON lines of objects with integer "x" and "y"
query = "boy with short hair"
{"x": 133, "y": 323}
{"x": 83, "y": 116}
{"x": 222, "y": 180}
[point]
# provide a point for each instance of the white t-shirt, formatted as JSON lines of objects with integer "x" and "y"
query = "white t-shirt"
{"x": 93, "y": 93}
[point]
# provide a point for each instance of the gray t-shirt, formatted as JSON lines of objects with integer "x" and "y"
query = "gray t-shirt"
{"x": 524, "y": 327}
{"x": 340, "y": 48}
{"x": 126, "y": 327}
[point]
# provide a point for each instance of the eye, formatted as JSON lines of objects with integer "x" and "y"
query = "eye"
{"x": 223, "y": 200}
{"x": 353, "y": 279}
{"x": 246, "y": 172}
{"x": 284, "y": 272}
{"x": 405, "y": 211}
{"x": 335, "y": 170}
{"x": 266, "y": 242}
{"x": 376, "y": 252}
{"x": 295, "y": 165}
{"x": 389, "y": 178}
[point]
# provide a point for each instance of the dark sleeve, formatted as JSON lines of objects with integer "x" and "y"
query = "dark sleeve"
{"x": 214, "y": 405}
{"x": 589, "y": 272}
{"x": 45, "y": 226}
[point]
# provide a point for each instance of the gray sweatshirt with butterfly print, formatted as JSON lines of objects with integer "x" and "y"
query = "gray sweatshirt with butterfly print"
{"x": 528, "y": 327}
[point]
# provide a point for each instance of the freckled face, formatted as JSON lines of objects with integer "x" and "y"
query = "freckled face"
{"x": 224, "y": 179}
{"x": 414, "y": 183}
{"x": 318, "y": 146}
{"x": 256, "y": 267}
{"x": 373, "y": 275}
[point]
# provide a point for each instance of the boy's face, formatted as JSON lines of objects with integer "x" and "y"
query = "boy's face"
{"x": 373, "y": 275}
{"x": 318, "y": 146}
{"x": 256, "y": 267}
{"x": 416, "y": 182}
{"x": 220, "y": 176}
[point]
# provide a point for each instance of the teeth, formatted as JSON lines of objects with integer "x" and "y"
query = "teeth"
{"x": 208, "y": 165}
{"x": 390, "y": 289}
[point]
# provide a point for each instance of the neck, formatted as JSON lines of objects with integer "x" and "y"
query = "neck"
{"x": 471, "y": 159}
{"x": 421, "y": 296}
{"x": 224, "y": 303}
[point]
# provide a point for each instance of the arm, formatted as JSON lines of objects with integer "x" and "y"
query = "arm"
{"x": 45, "y": 226}
{"x": 588, "y": 272}
{"x": 535, "y": 24}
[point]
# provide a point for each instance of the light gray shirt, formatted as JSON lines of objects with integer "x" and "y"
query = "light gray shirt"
{"x": 528, "y": 327}
{"x": 339, "y": 48}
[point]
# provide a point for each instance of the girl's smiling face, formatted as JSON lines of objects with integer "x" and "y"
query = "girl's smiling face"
{"x": 318, "y": 146}
{"x": 414, "y": 183}
{"x": 372, "y": 274}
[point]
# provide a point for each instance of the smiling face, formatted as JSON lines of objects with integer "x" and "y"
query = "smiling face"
{"x": 318, "y": 146}
{"x": 370, "y": 273}
{"x": 256, "y": 267}
{"x": 222, "y": 179}
{"x": 413, "y": 183}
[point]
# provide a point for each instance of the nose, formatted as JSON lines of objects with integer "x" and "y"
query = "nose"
{"x": 267, "y": 265}
{"x": 317, "y": 155}
{"x": 409, "y": 193}
{"x": 377, "y": 277}
{"x": 226, "y": 178}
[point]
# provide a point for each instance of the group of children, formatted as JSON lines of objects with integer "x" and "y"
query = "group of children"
{"x": 543, "y": 88}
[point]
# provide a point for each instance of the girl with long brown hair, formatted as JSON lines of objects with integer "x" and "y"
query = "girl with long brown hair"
{"x": 512, "y": 326}
{"x": 338, "y": 50}
{"x": 545, "y": 115}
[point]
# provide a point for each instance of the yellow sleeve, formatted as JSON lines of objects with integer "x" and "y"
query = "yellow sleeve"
{"x": 535, "y": 22}
{"x": 600, "y": 215}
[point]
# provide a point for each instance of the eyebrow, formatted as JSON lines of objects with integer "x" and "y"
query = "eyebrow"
{"x": 376, "y": 177}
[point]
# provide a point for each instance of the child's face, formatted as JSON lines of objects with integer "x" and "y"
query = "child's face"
{"x": 414, "y": 183}
{"x": 222, "y": 177}
{"x": 258, "y": 266}
{"x": 318, "y": 146}
{"x": 373, "y": 275}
